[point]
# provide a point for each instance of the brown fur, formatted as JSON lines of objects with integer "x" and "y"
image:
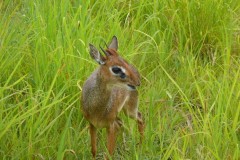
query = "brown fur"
{"x": 104, "y": 96}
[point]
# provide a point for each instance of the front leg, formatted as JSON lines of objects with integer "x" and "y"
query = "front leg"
{"x": 93, "y": 133}
{"x": 111, "y": 138}
{"x": 112, "y": 131}
{"x": 131, "y": 110}
{"x": 140, "y": 126}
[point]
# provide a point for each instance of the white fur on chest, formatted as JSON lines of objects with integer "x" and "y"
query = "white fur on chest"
{"x": 120, "y": 105}
{"x": 123, "y": 103}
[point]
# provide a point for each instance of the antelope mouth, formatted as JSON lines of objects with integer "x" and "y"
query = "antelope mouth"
{"x": 131, "y": 87}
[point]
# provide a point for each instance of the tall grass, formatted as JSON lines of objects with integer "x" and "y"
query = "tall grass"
{"x": 186, "y": 51}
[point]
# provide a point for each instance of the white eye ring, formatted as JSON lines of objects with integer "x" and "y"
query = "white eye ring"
{"x": 121, "y": 70}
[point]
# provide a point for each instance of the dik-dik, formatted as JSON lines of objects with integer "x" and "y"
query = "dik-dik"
{"x": 110, "y": 89}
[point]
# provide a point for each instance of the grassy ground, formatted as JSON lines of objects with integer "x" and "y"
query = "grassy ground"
{"x": 186, "y": 51}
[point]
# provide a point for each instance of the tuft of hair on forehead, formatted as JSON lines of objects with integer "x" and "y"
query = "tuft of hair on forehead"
{"x": 112, "y": 52}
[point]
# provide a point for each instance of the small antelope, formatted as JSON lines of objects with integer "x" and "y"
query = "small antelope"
{"x": 110, "y": 89}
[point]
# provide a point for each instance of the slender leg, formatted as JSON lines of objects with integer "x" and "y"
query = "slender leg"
{"x": 111, "y": 138}
{"x": 93, "y": 133}
{"x": 134, "y": 114}
{"x": 140, "y": 126}
{"x": 131, "y": 110}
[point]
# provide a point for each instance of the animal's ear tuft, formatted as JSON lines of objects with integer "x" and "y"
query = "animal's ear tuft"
{"x": 96, "y": 55}
{"x": 114, "y": 43}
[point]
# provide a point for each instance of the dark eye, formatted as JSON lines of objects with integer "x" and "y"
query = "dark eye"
{"x": 119, "y": 72}
{"x": 116, "y": 70}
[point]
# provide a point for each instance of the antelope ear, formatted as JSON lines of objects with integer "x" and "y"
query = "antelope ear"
{"x": 96, "y": 55}
{"x": 114, "y": 43}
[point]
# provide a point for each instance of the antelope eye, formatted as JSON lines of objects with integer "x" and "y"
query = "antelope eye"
{"x": 120, "y": 72}
{"x": 116, "y": 70}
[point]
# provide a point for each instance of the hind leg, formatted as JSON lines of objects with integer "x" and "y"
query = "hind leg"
{"x": 131, "y": 110}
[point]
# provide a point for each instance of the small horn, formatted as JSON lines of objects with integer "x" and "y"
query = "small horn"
{"x": 106, "y": 53}
{"x": 106, "y": 44}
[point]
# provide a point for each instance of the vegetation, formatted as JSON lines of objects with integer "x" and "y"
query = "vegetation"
{"x": 186, "y": 51}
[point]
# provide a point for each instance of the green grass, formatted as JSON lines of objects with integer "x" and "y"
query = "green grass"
{"x": 186, "y": 51}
